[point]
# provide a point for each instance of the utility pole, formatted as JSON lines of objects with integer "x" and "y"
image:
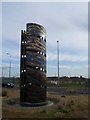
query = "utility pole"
{"x": 58, "y": 59}
{"x": 2, "y": 71}
{"x": 10, "y": 68}
{"x": 9, "y": 65}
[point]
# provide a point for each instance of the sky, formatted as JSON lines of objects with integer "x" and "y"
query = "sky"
{"x": 66, "y": 22}
{"x": 45, "y": 0}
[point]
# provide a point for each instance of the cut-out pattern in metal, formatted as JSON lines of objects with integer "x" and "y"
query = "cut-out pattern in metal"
{"x": 33, "y": 64}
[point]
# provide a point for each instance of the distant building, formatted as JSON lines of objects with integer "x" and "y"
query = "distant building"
{"x": 69, "y": 80}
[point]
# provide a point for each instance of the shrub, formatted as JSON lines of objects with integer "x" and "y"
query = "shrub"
{"x": 11, "y": 102}
{"x": 63, "y": 96}
{"x": 63, "y": 110}
{"x": 4, "y": 93}
{"x": 43, "y": 111}
{"x": 72, "y": 102}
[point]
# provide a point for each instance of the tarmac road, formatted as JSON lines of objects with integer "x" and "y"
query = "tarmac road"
{"x": 68, "y": 91}
{"x": 64, "y": 91}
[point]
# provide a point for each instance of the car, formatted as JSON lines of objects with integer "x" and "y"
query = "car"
{"x": 10, "y": 85}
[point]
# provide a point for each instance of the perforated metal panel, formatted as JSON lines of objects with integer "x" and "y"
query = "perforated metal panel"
{"x": 33, "y": 64}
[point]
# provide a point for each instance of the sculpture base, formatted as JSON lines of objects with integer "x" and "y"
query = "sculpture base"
{"x": 26, "y": 104}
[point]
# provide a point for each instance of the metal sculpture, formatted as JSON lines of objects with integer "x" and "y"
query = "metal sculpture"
{"x": 33, "y": 65}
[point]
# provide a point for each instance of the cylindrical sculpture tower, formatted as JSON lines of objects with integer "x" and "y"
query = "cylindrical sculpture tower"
{"x": 33, "y": 65}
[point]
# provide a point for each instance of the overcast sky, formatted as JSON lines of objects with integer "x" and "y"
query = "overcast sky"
{"x": 66, "y": 22}
{"x": 45, "y": 0}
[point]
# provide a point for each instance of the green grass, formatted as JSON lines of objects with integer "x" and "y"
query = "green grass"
{"x": 72, "y": 85}
{"x": 67, "y": 85}
{"x": 46, "y": 113}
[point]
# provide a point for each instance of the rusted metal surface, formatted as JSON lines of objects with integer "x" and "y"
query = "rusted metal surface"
{"x": 33, "y": 64}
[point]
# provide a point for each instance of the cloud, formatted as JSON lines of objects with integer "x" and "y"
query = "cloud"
{"x": 67, "y": 57}
{"x": 67, "y": 70}
{"x": 12, "y": 65}
{"x": 45, "y": 1}
{"x": 64, "y": 66}
{"x": 66, "y": 22}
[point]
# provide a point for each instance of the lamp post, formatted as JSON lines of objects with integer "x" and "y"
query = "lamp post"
{"x": 9, "y": 65}
{"x": 58, "y": 59}
{"x": 2, "y": 71}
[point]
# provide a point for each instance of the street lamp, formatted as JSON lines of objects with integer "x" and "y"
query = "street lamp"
{"x": 58, "y": 59}
{"x": 9, "y": 65}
